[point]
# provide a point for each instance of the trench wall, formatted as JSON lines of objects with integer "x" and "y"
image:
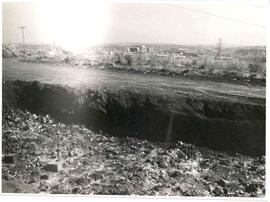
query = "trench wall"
{"x": 219, "y": 125}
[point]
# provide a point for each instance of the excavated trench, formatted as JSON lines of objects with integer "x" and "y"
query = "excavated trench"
{"x": 217, "y": 124}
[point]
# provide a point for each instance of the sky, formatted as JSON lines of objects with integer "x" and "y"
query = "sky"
{"x": 88, "y": 23}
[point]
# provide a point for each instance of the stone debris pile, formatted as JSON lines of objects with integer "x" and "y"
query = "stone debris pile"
{"x": 41, "y": 155}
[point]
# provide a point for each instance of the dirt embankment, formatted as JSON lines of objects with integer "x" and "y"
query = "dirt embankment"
{"x": 191, "y": 73}
{"x": 217, "y": 124}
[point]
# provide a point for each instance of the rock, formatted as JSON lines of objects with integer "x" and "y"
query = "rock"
{"x": 221, "y": 182}
{"x": 112, "y": 150}
{"x": 163, "y": 163}
{"x": 8, "y": 176}
{"x": 44, "y": 177}
{"x": 51, "y": 168}
{"x": 110, "y": 155}
{"x": 9, "y": 159}
{"x": 225, "y": 162}
{"x": 43, "y": 120}
{"x": 164, "y": 174}
{"x": 253, "y": 168}
{"x": 226, "y": 191}
{"x": 34, "y": 116}
{"x": 96, "y": 175}
{"x": 17, "y": 120}
{"x": 25, "y": 128}
{"x": 211, "y": 188}
{"x": 53, "y": 155}
{"x": 261, "y": 160}
{"x": 55, "y": 189}
{"x": 91, "y": 153}
{"x": 85, "y": 162}
{"x": 251, "y": 188}
{"x": 218, "y": 191}
{"x": 81, "y": 181}
{"x": 32, "y": 181}
{"x": 181, "y": 154}
{"x": 174, "y": 173}
{"x": 120, "y": 189}
{"x": 205, "y": 164}
{"x": 75, "y": 190}
{"x": 43, "y": 187}
{"x": 47, "y": 116}
{"x": 186, "y": 189}
{"x": 156, "y": 187}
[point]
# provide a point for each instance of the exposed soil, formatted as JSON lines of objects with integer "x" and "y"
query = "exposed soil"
{"x": 220, "y": 122}
{"x": 41, "y": 155}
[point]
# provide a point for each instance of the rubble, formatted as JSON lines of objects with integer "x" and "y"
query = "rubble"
{"x": 44, "y": 177}
{"x": 9, "y": 158}
{"x": 84, "y": 162}
{"x": 51, "y": 168}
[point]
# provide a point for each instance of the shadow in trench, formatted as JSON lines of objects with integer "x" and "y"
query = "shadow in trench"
{"x": 220, "y": 126}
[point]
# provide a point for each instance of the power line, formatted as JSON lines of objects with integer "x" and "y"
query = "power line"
{"x": 218, "y": 16}
{"x": 23, "y": 27}
{"x": 219, "y": 48}
{"x": 252, "y": 5}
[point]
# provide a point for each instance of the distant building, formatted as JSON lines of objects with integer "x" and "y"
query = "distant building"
{"x": 138, "y": 49}
{"x": 183, "y": 49}
{"x": 185, "y": 52}
{"x": 133, "y": 49}
{"x": 223, "y": 58}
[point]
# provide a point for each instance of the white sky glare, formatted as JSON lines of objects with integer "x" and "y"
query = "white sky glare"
{"x": 84, "y": 23}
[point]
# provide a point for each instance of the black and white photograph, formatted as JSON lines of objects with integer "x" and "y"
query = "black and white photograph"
{"x": 126, "y": 98}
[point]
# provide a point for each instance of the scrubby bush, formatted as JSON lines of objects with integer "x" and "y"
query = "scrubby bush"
{"x": 128, "y": 58}
{"x": 253, "y": 68}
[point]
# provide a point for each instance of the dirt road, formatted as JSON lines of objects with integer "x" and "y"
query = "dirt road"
{"x": 94, "y": 78}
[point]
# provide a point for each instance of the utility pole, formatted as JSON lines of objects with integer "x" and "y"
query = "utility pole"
{"x": 219, "y": 48}
{"x": 23, "y": 27}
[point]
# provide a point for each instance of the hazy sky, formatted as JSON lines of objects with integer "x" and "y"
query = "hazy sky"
{"x": 78, "y": 24}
